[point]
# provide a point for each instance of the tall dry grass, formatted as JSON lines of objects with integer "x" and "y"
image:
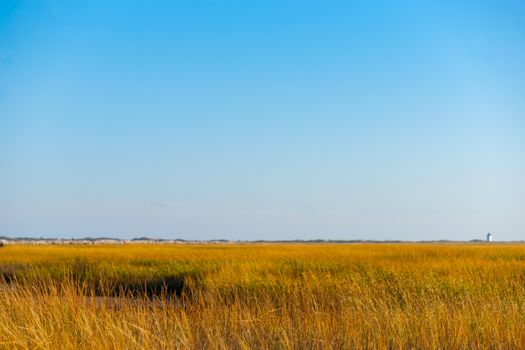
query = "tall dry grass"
{"x": 263, "y": 296}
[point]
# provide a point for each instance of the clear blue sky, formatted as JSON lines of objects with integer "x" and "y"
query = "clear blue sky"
{"x": 263, "y": 119}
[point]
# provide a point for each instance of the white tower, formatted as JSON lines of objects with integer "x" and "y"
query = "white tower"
{"x": 489, "y": 237}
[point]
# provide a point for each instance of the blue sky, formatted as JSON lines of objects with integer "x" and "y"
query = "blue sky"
{"x": 263, "y": 120}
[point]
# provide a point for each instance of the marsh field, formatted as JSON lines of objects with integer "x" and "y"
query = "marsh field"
{"x": 263, "y": 296}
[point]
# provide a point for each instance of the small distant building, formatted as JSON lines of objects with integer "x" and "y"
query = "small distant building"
{"x": 489, "y": 237}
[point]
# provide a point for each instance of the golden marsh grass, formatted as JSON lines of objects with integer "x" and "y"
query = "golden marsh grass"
{"x": 263, "y": 296}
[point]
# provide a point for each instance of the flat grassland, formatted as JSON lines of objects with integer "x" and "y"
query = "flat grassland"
{"x": 263, "y": 296}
